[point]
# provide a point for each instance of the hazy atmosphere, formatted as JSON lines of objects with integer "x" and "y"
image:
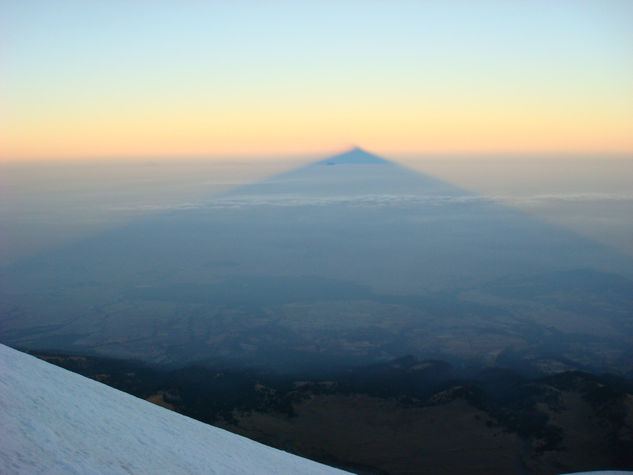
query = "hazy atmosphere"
{"x": 372, "y": 234}
{"x": 43, "y": 205}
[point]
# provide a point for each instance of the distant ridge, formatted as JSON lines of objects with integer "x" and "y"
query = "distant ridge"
{"x": 355, "y": 156}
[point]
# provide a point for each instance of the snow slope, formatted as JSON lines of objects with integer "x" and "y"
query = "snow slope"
{"x": 55, "y": 421}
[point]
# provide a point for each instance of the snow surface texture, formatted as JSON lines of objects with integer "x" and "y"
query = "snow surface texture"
{"x": 602, "y": 472}
{"x": 55, "y": 421}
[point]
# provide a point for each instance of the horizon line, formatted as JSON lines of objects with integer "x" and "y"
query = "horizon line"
{"x": 324, "y": 153}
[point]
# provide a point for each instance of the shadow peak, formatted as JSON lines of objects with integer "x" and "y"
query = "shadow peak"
{"x": 355, "y": 156}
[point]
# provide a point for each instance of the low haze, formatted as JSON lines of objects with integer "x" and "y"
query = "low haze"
{"x": 44, "y": 205}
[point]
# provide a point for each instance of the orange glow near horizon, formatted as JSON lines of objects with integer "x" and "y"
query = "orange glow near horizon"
{"x": 437, "y": 129}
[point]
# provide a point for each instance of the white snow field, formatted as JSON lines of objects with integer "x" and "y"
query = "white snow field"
{"x": 55, "y": 421}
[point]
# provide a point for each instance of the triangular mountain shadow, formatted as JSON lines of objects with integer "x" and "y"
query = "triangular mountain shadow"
{"x": 352, "y": 173}
{"x": 358, "y": 261}
{"x": 355, "y": 156}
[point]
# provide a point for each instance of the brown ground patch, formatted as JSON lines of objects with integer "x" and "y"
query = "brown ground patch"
{"x": 159, "y": 399}
{"x": 368, "y": 431}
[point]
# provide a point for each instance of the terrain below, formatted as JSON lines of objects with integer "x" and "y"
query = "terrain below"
{"x": 405, "y": 416}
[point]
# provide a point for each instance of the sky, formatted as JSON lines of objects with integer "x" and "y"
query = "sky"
{"x": 87, "y": 79}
